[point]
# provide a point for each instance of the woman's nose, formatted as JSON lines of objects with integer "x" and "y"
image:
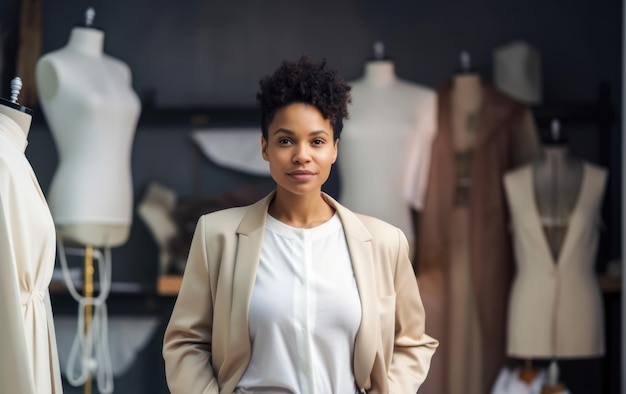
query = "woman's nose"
{"x": 301, "y": 154}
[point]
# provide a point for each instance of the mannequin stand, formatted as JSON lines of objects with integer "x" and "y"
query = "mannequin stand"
{"x": 527, "y": 374}
{"x": 89, "y": 270}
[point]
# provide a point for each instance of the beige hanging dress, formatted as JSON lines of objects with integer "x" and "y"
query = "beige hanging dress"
{"x": 28, "y": 353}
{"x": 464, "y": 260}
{"x": 555, "y": 304}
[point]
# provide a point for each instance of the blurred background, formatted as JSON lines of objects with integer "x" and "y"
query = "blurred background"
{"x": 196, "y": 64}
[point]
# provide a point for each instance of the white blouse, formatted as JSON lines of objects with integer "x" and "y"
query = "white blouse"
{"x": 304, "y": 314}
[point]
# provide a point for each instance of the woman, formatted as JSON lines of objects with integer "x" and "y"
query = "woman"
{"x": 295, "y": 293}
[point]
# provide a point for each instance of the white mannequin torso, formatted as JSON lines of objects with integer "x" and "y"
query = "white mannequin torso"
{"x": 92, "y": 111}
{"x": 385, "y": 146}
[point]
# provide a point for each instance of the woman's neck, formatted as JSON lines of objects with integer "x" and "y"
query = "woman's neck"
{"x": 300, "y": 211}
{"x": 87, "y": 40}
{"x": 380, "y": 72}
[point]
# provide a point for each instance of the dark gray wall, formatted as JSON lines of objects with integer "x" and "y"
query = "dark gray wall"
{"x": 212, "y": 53}
{"x": 206, "y": 53}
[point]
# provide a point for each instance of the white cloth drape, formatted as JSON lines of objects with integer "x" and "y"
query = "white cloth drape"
{"x": 237, "y": 149}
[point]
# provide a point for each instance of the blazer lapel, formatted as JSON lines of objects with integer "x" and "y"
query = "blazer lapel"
{"x": 359, "y": 245}
{"x": 250, "y": 239}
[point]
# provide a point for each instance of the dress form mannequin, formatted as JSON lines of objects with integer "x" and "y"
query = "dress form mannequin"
{"x": 463, "y": 264}
{"x": 466, "y": 103}
{"x": 28, "y": 352}
{"x": 558, "y": 178}
{"x": 92, "y": 112}
{"x": 555, "y": 207}
{"x": 394, "y": 120}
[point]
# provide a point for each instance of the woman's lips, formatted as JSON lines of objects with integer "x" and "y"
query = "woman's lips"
{"x": 301, "y": 175}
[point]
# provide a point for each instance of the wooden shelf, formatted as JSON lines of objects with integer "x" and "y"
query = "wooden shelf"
{"x": 610, "y": 284}
{"x": 169, "y": 284}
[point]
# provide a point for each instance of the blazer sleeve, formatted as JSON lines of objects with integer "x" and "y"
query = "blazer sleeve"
{"x": 187, "y": 341}
{"x": 413, "y": 348}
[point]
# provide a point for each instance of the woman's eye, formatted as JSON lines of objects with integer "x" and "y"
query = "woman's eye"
{"x": 284, "y": 141}
{"x": 318, "y": 142}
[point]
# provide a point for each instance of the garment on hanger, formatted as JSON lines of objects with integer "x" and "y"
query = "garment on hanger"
{"x": 550, "y": 295}
{"x": 28, "y": 352}
{"x": 464, "y": 258}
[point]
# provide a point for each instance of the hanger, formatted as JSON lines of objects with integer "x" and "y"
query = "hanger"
{"x": 90, "y": 15}
{"x": 465, "y": 62}
{"x": 556, "y": 136}
{"x": 379, "y": 52}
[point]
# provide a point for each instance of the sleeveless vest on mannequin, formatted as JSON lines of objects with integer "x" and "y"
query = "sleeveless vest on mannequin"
{"x": 550, "y": 296}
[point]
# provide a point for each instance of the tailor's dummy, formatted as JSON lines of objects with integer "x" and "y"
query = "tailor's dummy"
{"x": 466, "y": 106}
{"x": 28, "y": 352}
{"x": 385, "y": 144}
{"x": 463, "y": 252}
{"x": 555, "y": 205}
{"x": 92, "y": 111}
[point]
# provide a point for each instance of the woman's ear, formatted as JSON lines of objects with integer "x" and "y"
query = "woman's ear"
{"x": 335, "y": 146}
{"x": 264, "y": 149}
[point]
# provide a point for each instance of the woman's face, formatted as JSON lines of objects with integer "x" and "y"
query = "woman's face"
{"x": 300, "y": 148}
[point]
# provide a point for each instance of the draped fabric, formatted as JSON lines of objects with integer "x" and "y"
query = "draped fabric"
{"x": 28, "y": 353}
{"x": 465, "y": 301}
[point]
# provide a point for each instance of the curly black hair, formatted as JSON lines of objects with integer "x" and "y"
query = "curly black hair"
{"x": 304, "y": 81}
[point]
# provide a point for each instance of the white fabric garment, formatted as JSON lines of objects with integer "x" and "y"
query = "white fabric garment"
{"x": 508, "y": 382}
{"x": 28, "y": 353}
{"x": 302, "y": 339}
{"x": 393, "y": 121}
{"x": 236, "y": 149}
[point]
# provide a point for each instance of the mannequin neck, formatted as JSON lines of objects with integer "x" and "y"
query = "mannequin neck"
{"x": 558, "y": 155}
{"x": 87, "y": 40}
{"x": 21, "y": 118}
{"x": 558, "y": 158}
{"x": 380, "y": 72}
{"x": 467, "y": 92}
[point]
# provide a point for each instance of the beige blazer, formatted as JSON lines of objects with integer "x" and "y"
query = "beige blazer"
{"x": 207, "y": 342}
